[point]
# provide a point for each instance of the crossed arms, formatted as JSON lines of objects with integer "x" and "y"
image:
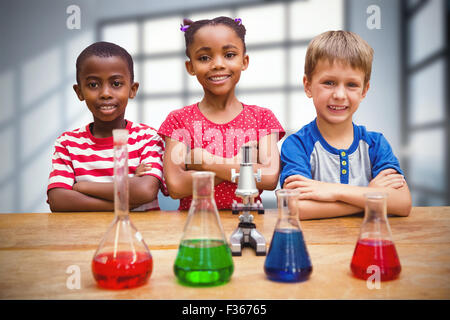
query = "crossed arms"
{"x": 179, "y": 163}
{"x": 319, "y": 199}
{"x": 99, "y": 196}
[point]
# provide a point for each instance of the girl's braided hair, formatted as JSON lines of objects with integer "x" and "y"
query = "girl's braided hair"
{"x": 190, "y": 28}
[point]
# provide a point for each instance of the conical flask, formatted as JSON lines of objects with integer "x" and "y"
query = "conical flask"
{"x": 204, "y": 258}
{"x": 375, "y": 251}
{"x": 122, "y": 259}
{"x": 288, "y": 259}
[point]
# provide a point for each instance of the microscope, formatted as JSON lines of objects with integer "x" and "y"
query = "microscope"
{"x": 246, "y": 234}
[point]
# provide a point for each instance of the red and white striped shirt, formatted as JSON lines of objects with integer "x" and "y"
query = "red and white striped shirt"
{"x": 79, "y": 156}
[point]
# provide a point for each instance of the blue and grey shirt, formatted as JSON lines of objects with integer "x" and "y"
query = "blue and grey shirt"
{"x": 307, "y": 153}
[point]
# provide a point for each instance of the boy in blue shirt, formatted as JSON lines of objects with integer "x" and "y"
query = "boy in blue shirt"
{"x": 331, "y": 161}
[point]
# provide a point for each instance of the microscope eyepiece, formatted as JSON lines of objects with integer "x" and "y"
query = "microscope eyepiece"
{"x": 246, "y": 154}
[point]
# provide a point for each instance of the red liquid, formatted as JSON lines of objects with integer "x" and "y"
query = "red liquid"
{"x": 121, "y": 272}
{"x": 381, "y": 253}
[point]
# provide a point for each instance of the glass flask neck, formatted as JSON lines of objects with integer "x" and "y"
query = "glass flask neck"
{"x": 287, "y": 209}
{"x": 203, "y": 220}
{"x": 121, "y": 206}
{"x": 375, "y": 224}
{"x": 375, "y": 207}
{"x": 203, "y": 185}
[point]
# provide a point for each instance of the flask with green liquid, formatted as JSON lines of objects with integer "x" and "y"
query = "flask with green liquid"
{"x": 204, "y": 258}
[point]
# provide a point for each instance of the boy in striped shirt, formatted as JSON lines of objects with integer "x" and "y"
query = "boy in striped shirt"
{"x": 82, "y": 164}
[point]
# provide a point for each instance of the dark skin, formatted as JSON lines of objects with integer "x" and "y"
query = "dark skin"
{"x": 105, "y": 85}
{"x": 217, "y": 59}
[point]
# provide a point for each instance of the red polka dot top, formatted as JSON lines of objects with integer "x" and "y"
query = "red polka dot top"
{"x": 190, "y": 126}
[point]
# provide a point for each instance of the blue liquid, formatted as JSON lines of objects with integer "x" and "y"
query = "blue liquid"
{"x": 287, "y": 260}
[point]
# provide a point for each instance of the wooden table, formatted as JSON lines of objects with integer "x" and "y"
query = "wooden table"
{"x": 36, "y": 251}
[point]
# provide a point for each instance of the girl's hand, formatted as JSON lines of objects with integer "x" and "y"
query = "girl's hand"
{"x": 312, "y": 189}
{"x": 196, "y": 157}
{"x": 388, "y": 178}
{"x": 142, "y": 168}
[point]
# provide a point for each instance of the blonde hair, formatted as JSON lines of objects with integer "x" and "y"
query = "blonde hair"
{"x": 343, "y": 46}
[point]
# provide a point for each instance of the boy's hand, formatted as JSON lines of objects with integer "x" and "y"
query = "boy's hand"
{"x": 142, "y": 168}
{"x": 78, "y": 186}
{"x": 388, "y": 178}
{"x": 312, "y": 189}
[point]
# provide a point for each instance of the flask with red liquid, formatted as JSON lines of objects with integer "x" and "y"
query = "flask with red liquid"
{"x": 122, "y": 259}
{"x": 375, "y": 251}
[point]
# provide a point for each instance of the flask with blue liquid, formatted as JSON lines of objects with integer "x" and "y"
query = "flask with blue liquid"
{"x": 288, "y": 259}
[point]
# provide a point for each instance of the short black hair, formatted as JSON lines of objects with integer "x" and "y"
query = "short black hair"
{"x": 189, "y": 33}
{"x": 104, "y": 49}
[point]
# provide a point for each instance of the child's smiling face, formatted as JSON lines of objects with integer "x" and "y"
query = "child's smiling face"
{"x": 217, "y": 58}
{"x": 337, "y": 89}
{"x": 105, "y": 85}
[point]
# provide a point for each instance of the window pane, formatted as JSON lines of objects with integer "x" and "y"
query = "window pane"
{"x": 76, "y": 111}
{"x": 266, "y": 68}
{"x": 39, "y": 131}
{"x": 156, "y": 110}
{"x": 427, "y": 94}
{"x": 47, "y": 64}
{"x": 210, "y": 15}
{"x": 124, "y": 35}
{"x": 73, "y": 47}
{"x": 137, "y": 75}
{"x": 163, "y": 75}
{"x": 7, "y": 143}
{"x": 194, "y": 98}
{"x": 163, "y": 35}
{"x": 263, "y": 23}
{"x": 427, "y": 159}
{"x": 8, "y": 96}
{"x": 297, "y": 66}
{"x": 132, "y": 111}
{"x": 427, "y": 31}
{"x": 310, "y": 18}
{"x": 301, "y": 111}
{"x": 192, "y": 83}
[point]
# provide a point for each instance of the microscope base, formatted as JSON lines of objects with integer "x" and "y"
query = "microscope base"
{"x": 246, "y": 235}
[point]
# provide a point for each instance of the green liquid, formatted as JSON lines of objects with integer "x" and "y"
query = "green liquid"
{"x": 203, "y": 263}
